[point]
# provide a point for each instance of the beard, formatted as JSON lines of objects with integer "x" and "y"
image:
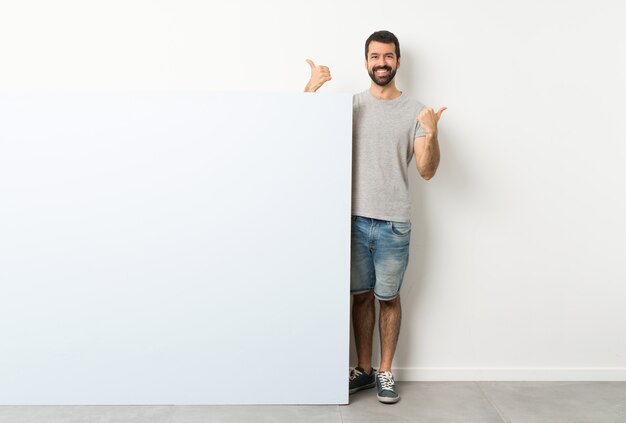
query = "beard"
{"x": 382, "y": 80}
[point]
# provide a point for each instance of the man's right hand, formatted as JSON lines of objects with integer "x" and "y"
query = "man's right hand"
{"x": 319, "y": 75}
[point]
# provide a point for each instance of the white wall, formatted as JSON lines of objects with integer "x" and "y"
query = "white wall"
{"x": 516, "y": 268}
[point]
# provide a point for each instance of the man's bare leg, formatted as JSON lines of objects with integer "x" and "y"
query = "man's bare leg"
{"x": 363, "y": 318}
{"x": 389, "y": 327}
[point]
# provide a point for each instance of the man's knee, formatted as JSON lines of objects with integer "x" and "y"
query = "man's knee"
{"x": 363, "y": 298}
{"x": 394, "y": 302}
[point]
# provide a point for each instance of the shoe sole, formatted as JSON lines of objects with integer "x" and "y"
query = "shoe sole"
{"x": 388, "y": 400}
{"x": 360, "y": 388}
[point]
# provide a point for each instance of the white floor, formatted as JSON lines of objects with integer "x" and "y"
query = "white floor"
{"x": 481, "y": 402}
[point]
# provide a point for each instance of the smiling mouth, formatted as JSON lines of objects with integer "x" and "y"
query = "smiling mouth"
{"x": 382, "y": 75}
{"x": 382, "y": 71}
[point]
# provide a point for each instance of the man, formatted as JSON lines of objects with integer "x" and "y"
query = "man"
{"x": 389, "y": 128}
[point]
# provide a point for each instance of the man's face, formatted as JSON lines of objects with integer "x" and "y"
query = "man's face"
{"x": 382, "y": 62}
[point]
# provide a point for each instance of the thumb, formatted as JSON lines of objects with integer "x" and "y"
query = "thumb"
{"x": 439, "y": 112}
{"x": 311, "y": 64}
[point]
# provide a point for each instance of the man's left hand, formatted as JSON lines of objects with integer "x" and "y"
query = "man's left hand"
{"x": 428, "y": 118}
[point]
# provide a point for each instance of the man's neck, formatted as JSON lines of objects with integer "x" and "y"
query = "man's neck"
{"x": 388, "y": 92}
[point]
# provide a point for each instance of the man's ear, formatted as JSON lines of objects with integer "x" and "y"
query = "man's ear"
{"x": 398, "y": 66}
{"x": 366, "y": 65}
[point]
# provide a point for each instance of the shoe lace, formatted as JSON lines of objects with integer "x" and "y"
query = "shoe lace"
{"x": 354, "y": 373}
{"x": 385, "y": 379}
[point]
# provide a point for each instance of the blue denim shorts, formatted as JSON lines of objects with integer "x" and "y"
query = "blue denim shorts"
{"x": 379, "y": 256}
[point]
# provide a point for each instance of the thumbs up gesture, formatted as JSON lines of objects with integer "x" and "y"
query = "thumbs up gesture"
{"x": 319, "y": 76}
{"x": 428, "y": 118}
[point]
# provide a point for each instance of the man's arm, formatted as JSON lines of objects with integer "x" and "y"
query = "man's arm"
{"x": 319, "y": 76}
{"x": 426, "y": 147}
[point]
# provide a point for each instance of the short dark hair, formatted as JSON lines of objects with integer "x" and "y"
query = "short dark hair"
{"x": 383, "y": 37}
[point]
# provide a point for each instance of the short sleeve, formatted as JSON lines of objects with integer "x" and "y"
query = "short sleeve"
{"x": 419, "y": 131}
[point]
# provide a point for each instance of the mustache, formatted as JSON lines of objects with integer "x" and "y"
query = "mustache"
{"x": 387, "y": 68}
